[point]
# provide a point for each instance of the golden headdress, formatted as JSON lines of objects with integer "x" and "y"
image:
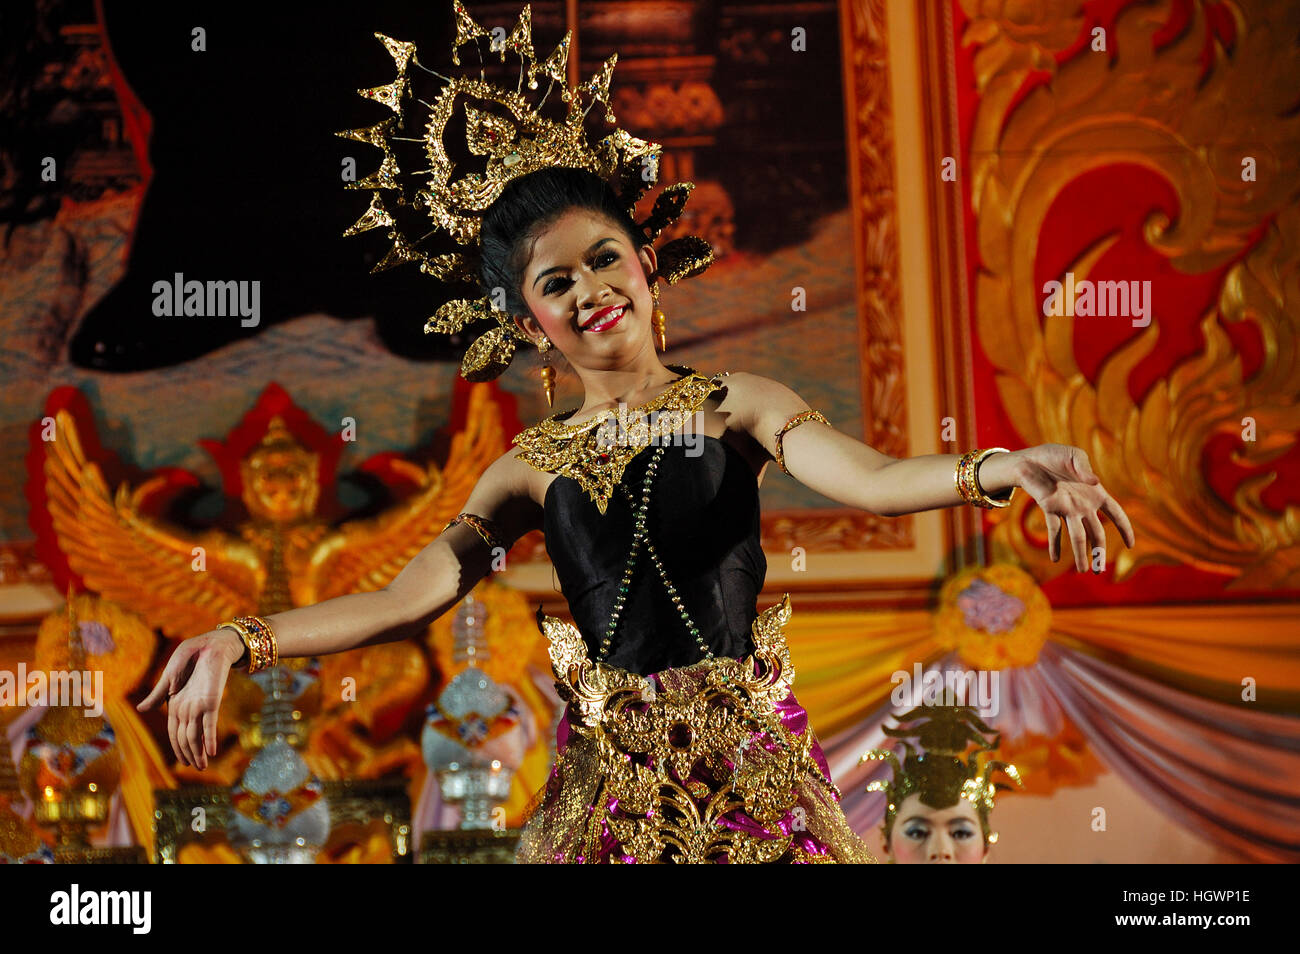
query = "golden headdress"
{"x": 943, "y": 772}
{"x": 503, "y": 126}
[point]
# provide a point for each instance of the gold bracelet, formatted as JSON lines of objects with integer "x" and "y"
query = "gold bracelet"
{"x": 484, "y": 527}
{"x": 263, "y": 637}
{"x": 259, "y": 638}
{"x": 795, "y": 422}
{"x": 968, "y": 483}
{"x": 242, "y": 633}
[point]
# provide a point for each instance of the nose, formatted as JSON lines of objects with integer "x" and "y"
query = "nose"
{"x": 941, "y": 849}
{"x": 592, "y": 292}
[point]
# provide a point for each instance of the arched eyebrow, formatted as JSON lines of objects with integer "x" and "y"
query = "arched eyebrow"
{"x": 560, "y": 268}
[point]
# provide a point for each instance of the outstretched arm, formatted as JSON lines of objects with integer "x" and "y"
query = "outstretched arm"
{"x": 1057, "y": 476}
{"x": 435, "y": 580}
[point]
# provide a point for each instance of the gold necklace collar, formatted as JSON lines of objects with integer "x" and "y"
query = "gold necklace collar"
{"x": 583, "y": 451}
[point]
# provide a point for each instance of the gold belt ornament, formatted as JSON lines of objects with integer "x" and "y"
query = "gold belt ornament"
{"x": 597, "y": 692}
{"x": 673, "y": 760}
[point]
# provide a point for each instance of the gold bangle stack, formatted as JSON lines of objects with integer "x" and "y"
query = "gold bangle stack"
{"x": 484, "y": 527}
{"x": 259, "y": 638}
{"x": 795, "y": 422}
{"x": 968, "y": 480}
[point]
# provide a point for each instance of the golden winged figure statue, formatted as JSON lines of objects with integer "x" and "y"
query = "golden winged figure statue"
{"x": 285, "y": 554}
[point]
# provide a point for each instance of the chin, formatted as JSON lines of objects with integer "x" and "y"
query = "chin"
{"x": 615, "y": 343}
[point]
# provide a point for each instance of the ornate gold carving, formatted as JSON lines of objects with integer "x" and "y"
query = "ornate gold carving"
{"x": 677, "y": 759}
{"x": 871, "y": 153}
{"x": 589, "y": 687}
{"x": 1150, "y": 454}
{"x": 287, "y": 555}
{"x": 127, "y": 556}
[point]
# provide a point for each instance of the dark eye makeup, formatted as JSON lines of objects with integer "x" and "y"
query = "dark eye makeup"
{"x": 918, "y": 831}
{"x": 551, "y": 285}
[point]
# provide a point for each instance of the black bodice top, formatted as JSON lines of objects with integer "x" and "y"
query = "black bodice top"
{"x": 703, "y": 522}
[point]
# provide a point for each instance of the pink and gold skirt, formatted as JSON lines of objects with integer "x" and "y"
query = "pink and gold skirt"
{"x": 713, "y": 762}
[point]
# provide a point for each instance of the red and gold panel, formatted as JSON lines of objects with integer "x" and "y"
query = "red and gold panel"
{"x": 1142, "y": 155}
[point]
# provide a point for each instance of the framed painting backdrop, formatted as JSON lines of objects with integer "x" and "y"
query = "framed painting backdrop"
{"x": 815, "y": 141}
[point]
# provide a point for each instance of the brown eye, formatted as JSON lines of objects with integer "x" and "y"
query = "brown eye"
{"x": 551, "y": 285}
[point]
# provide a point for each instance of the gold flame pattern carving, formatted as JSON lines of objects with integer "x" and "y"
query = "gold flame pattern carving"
{"x": 1098, "y": 113}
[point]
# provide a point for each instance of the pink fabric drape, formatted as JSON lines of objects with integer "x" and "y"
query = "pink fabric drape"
{"x": 1229, "y": 773}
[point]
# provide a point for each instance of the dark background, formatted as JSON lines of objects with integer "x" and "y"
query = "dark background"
{"x": 245, "y": 181}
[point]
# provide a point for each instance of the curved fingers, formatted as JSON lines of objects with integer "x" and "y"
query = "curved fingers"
{"x": 1053, "y": 535}
{"x": 166, "y": 685}
{"x": 210, "y": 734}
{"x": 173, "y": 729}
{"x": 1110, "y": 506}
{"x": 195, "y": 738}
{"x": 1078, "y": 541}
{"x": 1097, "y": 537}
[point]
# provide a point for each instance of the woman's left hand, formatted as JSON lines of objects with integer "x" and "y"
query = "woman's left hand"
{"x": 1060, "y": 478}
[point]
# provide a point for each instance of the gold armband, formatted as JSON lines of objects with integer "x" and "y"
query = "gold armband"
{"x": 795, "y": 422}
{"x": 258, "y": 638}
{"x": 968, "y": 480}
{"x": 484, "y": 527}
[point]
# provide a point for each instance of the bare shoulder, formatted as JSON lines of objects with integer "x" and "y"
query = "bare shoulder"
{"x": 509, "y": 476}
{"x": 758, "y": 405}
{"x": 755, "y": 388}
{"x": 504, "y": 493}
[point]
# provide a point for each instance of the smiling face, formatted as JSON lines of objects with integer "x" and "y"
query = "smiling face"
{"x": 925, "y": 835}
{"x": 587, "y": 289}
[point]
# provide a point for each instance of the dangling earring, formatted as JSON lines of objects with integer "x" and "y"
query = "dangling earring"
{"x": 658, "y": 320}
{"x": 548, "y": 372}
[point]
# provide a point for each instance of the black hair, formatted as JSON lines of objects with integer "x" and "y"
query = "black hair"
{"x": 527, "y": 206}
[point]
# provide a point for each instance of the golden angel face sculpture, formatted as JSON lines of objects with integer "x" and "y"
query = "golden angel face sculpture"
{"x": 423, "y": 188}
{"x": 280, "y": 477}
{"x": 940, "y": 798}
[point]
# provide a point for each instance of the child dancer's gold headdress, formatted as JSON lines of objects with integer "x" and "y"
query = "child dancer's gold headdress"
{"x": 504, "y": 127}
{"x": 939, "y": 773}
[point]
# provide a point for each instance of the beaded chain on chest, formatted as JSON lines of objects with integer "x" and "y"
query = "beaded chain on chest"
{"x": 641, "y": 539}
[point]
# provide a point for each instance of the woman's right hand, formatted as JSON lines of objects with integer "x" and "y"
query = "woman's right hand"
{"x": 193, "y": 682}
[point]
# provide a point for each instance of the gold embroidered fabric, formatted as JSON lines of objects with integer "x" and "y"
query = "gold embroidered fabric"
{"x": 595, "y": 452}
{"x": 698, "y": 766}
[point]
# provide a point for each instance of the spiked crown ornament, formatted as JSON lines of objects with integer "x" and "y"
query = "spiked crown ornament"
{"x": 507, "y": 136}
{"x": 942, "y": 772}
